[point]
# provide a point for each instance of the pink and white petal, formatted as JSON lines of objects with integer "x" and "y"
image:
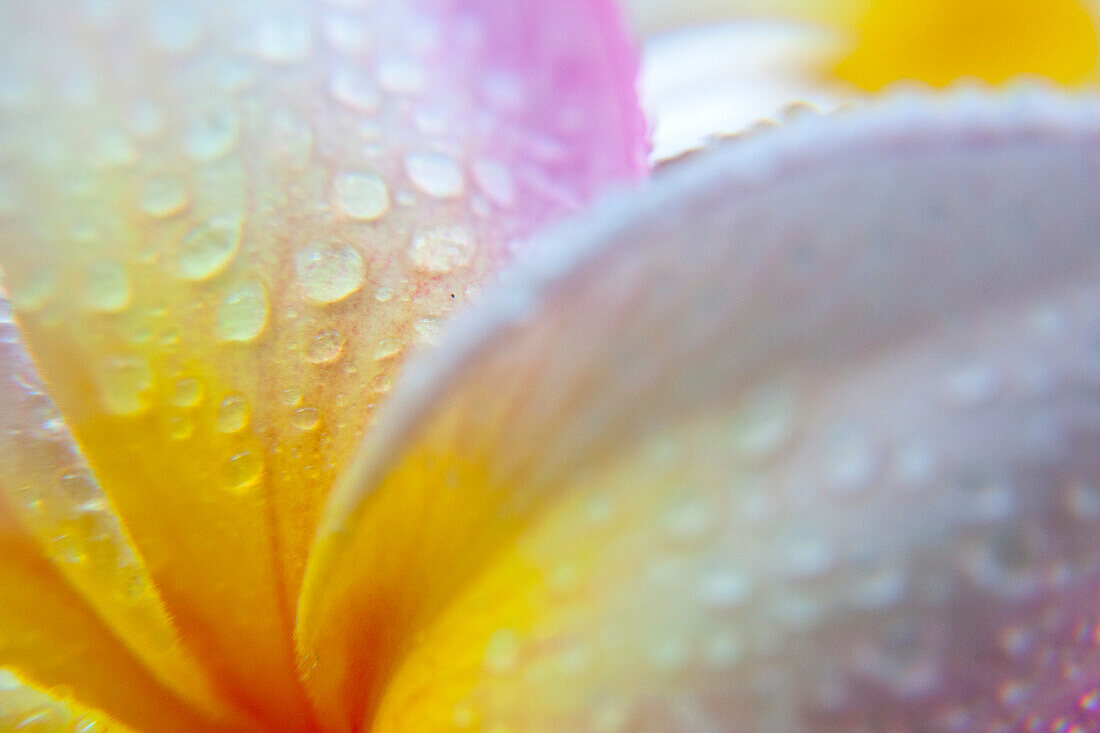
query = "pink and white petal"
{"x": 802, "y": 436}
{"x": 226, "y": 223}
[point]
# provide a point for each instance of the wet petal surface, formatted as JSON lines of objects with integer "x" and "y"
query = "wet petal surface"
{"x": 224, "y": 225}
{"x": 804, "y": 435}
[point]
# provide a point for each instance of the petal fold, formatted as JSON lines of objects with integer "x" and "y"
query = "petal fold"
{"x": 801, "y": 436}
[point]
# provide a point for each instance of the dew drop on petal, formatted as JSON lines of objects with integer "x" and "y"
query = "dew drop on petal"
{"x": 212, "y": 135}
{"x": 502, "y": 651}
{"x": 106, "y": 287}
{"x": 233, "y": 414}
{"x": 36, "y": 291}
{"x": 164, "y": 196}
{"x": 306, "y": 418}
{"x": 241, "y": 471}
{"x": 387, "y": 348}
{"x": 362, "y": 196}
{"x": 325, "y": 347}
{"x": 180, "y": 427}
{"x": 354, "y": 90}
{"x": 435, "y": 174}
{"x": 207, "y": 249}
{"x": 243, "y": 312}
{"x": 125, "y": 385}
{"x": 441, "y": 250}
{"x": 188, "y": 392}
{"x": 328, "y": 272}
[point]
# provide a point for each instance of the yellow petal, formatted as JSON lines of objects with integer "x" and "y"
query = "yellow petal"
{"x": 720, "y": 456}
{"x": 64, "y": 547}
{"x": 226, "y": 223}
{"x": 55, "y": 637}
{"x": 938, "y": 41}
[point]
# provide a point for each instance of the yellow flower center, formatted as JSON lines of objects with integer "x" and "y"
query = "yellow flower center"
{"x": 937, "y": 41}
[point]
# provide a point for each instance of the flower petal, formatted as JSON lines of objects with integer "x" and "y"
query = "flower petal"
{"x": 26, "y": 708}
{"x": 226, "y": 223}
{"x": 65, "y": 557}
{"x": 802, "y": 435}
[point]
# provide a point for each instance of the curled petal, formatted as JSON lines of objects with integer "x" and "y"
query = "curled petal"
{"x": 804, "y": 435}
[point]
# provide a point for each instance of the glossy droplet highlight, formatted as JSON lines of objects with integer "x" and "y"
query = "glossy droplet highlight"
{"x": 439, "y": 251}
{"x": 502, "y": 651}
{"x": 362, "y": 196}
{"x": 207, "y": 249}
{"x": 387, "y": 348}
{"x": 188, "y": 392}
{"x": 212, "y": 135}
{"x": 106, "y": 287}
{"x": 306, "y": 418}
{"x": 233, "y": 414}
{"x": 163, "y": 197}
{"x": 435, "y": 174}
{"x": 325, "y": 347}
{"x": 242, "y": 471}
{"x": 328, "y": 272}
{"x": 243, "y": 312}
{"x": 125, "y": 386}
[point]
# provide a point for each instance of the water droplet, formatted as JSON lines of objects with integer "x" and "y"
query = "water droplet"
{"x": 180, "y": 427}
{"x": 502, "y": 651}
{"x": 354, "y": 89}
{"x": 387, "y": 348}
{"x": 306, "y": 418}
{"x": 852, "y": 461}
{"x": 723, "y": 589}
{"x": 282, "y": 39}
{"x": 328, "y": 272}
{"x": 106, "y": 287}
{"x": 764, "y": 420}
{"x": 290, "y": 396}
{"x": 207, "y": 249}
{"x": 242, "y": 471}
{"x": 1083, "y": 500}
{"x": 242, "y": 314}
{"x": 174, "y": 28}
{"x": 188, "y": 392}
{"x": 428, "y": 329}
{"x": 125, "y": 385}
{"x": 35, "y": 292}
{"x": 687, "y": 518}
{"x": 114, "y": 149}
{"x": 401, "y": 75}
{"x": 1090, "y": 701}
{"x": 292, "y": 138}
{"x": 493, "y": 178}
{"x": 232, "y": 414}
{"x": 669, "y": 654}
{"x": 211, "y": 135}
{"x": 325, "y": 347}
{"x": 805, "y": 555}
{"x": 973, "y": 384}
{"x": 383, "y": 294}
{"x": 435, "y": 174}
{"x": 381, "y": 384}
{"x": 723, "y": 650}
{"x": 439, "y": 251}
{"x": 163, "y": 196}
{"x": 362, "y": 196}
